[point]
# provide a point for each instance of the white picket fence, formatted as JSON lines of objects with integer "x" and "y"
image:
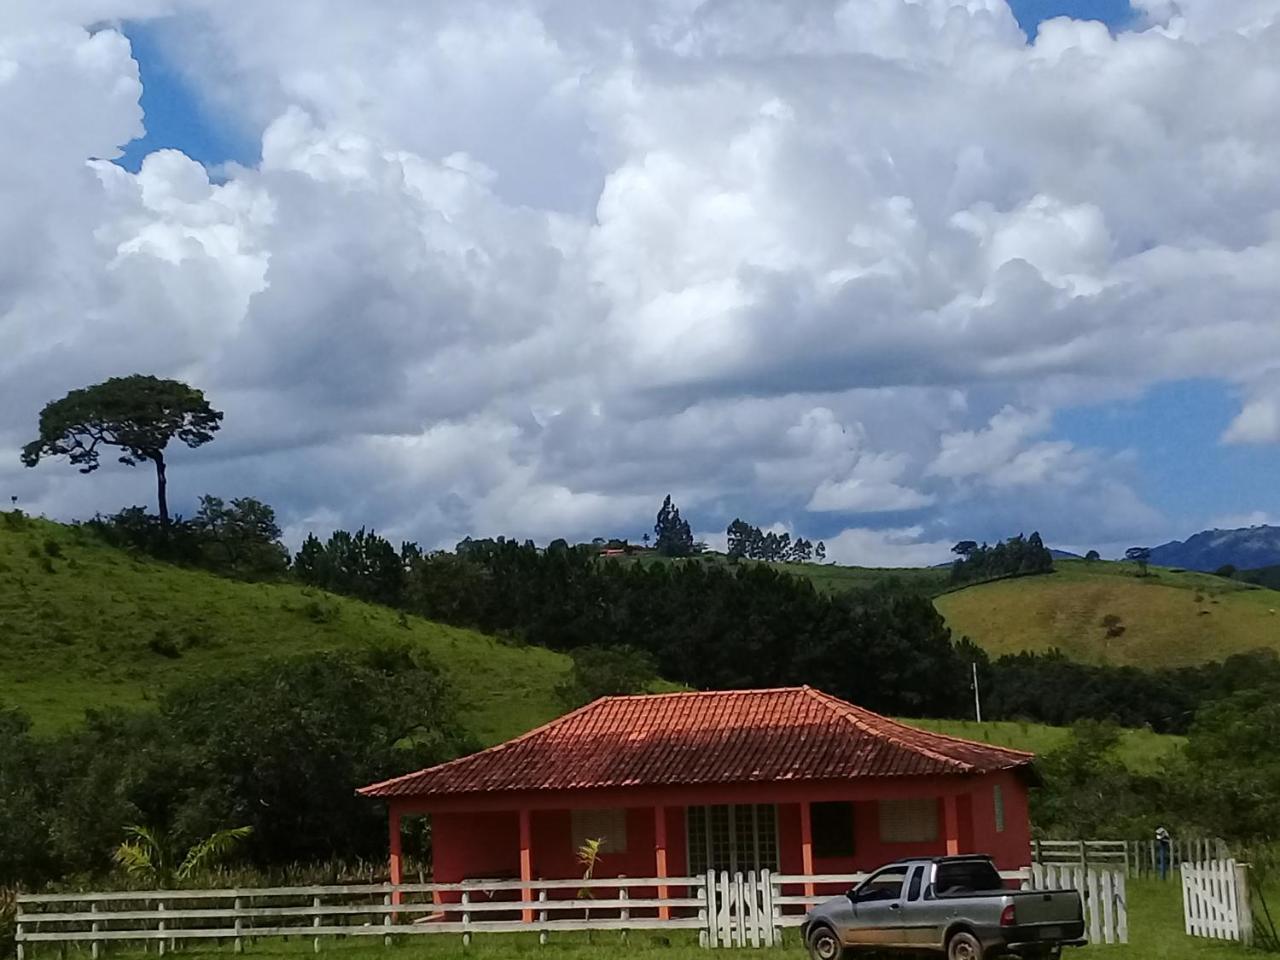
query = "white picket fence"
{"x": 1102, "y": 891}
{"x": 743, "y": 909}
{"x": 1215, "y": 900}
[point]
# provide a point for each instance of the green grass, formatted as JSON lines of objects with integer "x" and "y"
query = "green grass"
{"x": 1141, "y": 750}
{"x": 1170, "y": 618}
{"x": 1155, "y": 933}
{"x": 81, "y": 623}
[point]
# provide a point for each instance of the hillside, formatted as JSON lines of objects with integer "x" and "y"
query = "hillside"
{"x": 84, "y": 625}
{"x": 1245, "y": 548}
{"x": 1169, "y": 618}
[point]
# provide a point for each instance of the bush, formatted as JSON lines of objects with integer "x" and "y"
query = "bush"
{"x": 52, "y": 548}
{"x": 14, "y": 519}
{"x": 163, "y": 645}
{"x": 318, "y": 612}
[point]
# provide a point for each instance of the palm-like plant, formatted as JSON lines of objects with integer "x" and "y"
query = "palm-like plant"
{"x": 588, "y": 857}
{"x": 148, "y": 855}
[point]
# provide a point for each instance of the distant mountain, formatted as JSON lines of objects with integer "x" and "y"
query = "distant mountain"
{"x": 1246, "y": 549}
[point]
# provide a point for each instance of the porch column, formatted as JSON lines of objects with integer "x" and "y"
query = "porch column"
{"x": 806, "y": 846}
{"x": 660, "y": 856}
{"x": 951, "y": 823}
{"x": 526, "y": 863}
{"x": 393, "y": 825}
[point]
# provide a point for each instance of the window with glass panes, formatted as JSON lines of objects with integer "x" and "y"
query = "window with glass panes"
{"x": 734, "y": 837}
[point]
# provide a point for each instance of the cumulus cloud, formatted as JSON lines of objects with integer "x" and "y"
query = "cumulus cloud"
{"x": 525, "y": 267}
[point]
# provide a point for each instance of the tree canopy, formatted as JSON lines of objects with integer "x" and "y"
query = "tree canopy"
{"x": 139, "y": 415}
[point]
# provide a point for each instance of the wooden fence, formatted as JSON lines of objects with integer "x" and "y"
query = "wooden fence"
{"x": 1215, "y": 900}
{"x": 1135, "y": 857}
{"x": 749, "y": 910}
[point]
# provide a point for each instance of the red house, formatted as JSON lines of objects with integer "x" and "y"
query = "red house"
{"x": 791, "y": 780}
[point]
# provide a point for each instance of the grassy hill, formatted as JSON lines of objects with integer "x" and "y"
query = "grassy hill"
{"x": 84, "y": 625}
{"x": 1169, "y": 618}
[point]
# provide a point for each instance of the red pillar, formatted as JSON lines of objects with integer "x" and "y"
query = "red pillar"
{"x": 951, "y": 823}
{"x": 393, "y": 817}
{"x": 660, "y": 855}
{"x": 806, "y": 845}
{"x": 526, "y": 863}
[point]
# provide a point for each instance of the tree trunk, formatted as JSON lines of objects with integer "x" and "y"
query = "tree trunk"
{"x": 162, "y": 501}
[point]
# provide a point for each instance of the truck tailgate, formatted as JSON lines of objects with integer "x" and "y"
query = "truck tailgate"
{"x": 1046, "y": 906}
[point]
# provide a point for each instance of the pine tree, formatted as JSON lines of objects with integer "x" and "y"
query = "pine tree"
{"x": 673, "y": 536}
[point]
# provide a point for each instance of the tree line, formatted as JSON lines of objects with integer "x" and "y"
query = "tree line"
{"x": 1016, "y": 557}
{"x": 744, "y": 540}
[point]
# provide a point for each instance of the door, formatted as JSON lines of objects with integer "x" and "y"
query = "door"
{"x": 738, "y": 837}
{"x": 877, "y": 909}
{"x": 920, "y": 925}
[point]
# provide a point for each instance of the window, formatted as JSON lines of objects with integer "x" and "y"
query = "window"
{"x": 885, "y": 885}
{"x": 908, "y": 821}
{"x": 609, "y": 826}
{"x": 913, "y": 890}
{"x": 832, "y": 825}
{"x": 741, "y": 837}
{"x": 966, "y": 876}
{"x": 998, "y": 797}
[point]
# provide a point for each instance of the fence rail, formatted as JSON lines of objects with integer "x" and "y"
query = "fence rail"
{"x": 742, "y": 909}
{"x": 1135, "y": 857}
{"x": 1215, "y": 900}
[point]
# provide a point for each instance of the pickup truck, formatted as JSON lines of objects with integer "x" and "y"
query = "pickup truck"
{"x": 954, "y": 906}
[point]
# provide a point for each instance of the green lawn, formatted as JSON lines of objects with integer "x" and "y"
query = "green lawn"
{"x": 1155, "y": 933}
{"x": 1169, "y": 618}
{"x": 81, "y": 624}
{"x": 1141, "y": 750}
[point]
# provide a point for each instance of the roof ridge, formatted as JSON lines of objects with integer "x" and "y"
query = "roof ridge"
{"x": 746, "y": 691}
{"x": 850, "y": 712}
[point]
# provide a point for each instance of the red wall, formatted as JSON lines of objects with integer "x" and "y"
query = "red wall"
{"x": 487, "y": 844}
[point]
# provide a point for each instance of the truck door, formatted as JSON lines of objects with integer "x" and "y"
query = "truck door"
{"x": 877, "y": 909}
{"x": 919, "y": 924}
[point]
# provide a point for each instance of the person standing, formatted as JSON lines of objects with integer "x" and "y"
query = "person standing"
{"x": 1164, "y": 846}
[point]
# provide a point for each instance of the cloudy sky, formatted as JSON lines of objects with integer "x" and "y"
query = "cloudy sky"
{"x": 889, "y": 273}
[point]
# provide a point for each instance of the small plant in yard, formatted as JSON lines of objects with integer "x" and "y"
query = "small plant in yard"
{"x": 588, "y": 857}
{"x": 148, "y": 855}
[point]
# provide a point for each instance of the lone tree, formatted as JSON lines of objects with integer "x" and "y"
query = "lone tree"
{"x": 1141, "y": 556}
{"x": 138, "y": 414}
{"x": 673, "y": 538}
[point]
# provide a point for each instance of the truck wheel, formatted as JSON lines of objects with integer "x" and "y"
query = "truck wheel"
{"x": 825, "y": 945}
{"x": 964, "y": 946}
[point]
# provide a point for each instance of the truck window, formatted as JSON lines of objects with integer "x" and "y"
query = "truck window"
{"x": 966, "y": 876}
{"x": 885, "y": 885}
{"x": 913, "y": 888}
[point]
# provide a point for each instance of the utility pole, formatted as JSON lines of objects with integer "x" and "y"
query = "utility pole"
{"x": 977, "y": 700}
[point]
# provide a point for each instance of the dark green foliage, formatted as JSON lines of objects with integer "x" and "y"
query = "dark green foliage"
{"x": 14, "y": 519}
{"x": 163, "y": 645}
{"x": 137, "y": 414}
{"x": 1263, "y": 577}
{"x": 754, "y": 544}
{"x": 1227, "y": 571}
{"x": 1087, "y": 790}
{"x": 1050, "y": 688}
{"x": 673, "y": 537}
{"x": 240, "y": 538}
{"x": 237, "y": 539}
{"x": 1093, "y": 556}
{"x": 52, "y": 548}
{"x": 1231, "y": 778}
{"x": 280, "y": 748}
{"x": 1015, "y": 557}
{"x": 606, "y": 672}
{"x": 362, "y": 565}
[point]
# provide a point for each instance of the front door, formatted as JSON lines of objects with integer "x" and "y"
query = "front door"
{"x": 738, "y": 838}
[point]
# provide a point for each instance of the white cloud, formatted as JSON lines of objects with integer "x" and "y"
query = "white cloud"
{"x": 526, "y": 267}
{"x": 901, "y": 547}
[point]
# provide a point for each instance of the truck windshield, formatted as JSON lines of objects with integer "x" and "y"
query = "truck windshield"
{"x": 966, "y": 876}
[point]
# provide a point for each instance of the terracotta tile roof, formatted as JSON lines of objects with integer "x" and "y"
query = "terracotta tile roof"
{"x": 734, "y": 736}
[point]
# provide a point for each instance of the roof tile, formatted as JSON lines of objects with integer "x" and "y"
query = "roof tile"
{"x": 717, "y": 737}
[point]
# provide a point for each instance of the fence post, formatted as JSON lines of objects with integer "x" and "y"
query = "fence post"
{"x": 542, "y": 918}
{"x": 1122, "y": 911}
{"x": 160, "y": 926}
{"x": 17, "y": 933}
{"x": 770, "y": 923}
{"x": 1244, "y": 903}
{"x": 239, "y": 941}
{"x": 1108, "y": 907}
{"x": 624, "y": 913}
{"x": 94, "y": 949}
{"x": 387, "y": 918}
{"x": 315, "y": 922}
{"x": 703, "y": 940}
{"x": 466, "y": 918}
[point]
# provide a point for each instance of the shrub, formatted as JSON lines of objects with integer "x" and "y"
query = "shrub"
{"x": 163, "y": 645}
{"x": 318, "y": 612}
{"x": 14, "y": 519}
{"x": 52, "y": 548}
